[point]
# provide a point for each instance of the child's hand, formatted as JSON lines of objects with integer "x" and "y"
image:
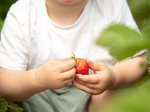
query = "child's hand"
{"x": 102, "y": 79}
{"x": 55, "y": 74}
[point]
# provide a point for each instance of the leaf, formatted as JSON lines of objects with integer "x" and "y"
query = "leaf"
{"x": 3, "y": 105}
{"x": 122, "y": 41}
{"x": 13, "y": 107}
{"x": 8, "y": 106}
{"x": 146, "y": 31}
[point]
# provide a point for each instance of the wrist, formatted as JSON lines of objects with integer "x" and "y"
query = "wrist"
{"x": 33, "y": 84}
{"x": 38, "y": 80}
{"x": 114, "y": 79}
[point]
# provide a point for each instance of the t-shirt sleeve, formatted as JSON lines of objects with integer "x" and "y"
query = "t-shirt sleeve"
{"x": 125, "y": 16}
{"x": 13, "y": 49}
{"x": 116, "y": 11}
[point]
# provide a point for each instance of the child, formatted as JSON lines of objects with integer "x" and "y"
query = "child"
{"x": 38, "y": 37}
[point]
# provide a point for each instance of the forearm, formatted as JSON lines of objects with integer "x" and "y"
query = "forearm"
{"x": 17, "y": 85}
{"x": 129, "y": 71}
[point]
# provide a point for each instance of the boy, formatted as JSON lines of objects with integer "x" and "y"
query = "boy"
{"x": 38, "y": 37}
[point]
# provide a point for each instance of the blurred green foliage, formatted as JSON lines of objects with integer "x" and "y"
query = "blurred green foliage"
{"x": 123, "y": 41}
{"x": 140, "y": 10}
{"x": 7, "y": 106}
{"x": 4, "y": 7}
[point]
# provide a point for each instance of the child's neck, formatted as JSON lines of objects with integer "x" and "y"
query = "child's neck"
{"x": 64, "y": 14}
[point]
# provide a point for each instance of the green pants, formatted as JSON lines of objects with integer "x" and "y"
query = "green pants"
{"x": 67, "y": 99}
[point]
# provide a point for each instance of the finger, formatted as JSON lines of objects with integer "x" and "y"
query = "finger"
{"x": 66, "y": 65}
{"x": 85, "y": 88}
{"x": 55, "y": 62}
{"x": 69, "y": 81}
{"x": 89, "y": 85}
{"x": 69, "y": 74}
{"x": 93, "y": 78}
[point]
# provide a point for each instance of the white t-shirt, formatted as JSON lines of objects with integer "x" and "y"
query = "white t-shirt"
{"x": 29, "y": 37}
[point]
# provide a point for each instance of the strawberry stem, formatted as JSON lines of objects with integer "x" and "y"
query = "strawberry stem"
{"x": 74, "y": 57}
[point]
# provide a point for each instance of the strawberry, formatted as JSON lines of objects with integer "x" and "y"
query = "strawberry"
{"x": 82, "y": 66}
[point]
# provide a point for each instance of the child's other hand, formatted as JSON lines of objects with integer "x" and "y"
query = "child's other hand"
{"x": 102, "y": 79}
{"x": 55, "y": 74}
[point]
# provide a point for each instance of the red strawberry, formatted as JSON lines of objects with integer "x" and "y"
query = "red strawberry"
{"x": 82, "y": 66}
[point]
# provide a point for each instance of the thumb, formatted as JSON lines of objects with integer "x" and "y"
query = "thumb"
{"x": 96, "y": 66}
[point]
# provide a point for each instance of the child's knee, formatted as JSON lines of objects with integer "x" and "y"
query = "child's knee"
{"x": 97, "y": 101}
